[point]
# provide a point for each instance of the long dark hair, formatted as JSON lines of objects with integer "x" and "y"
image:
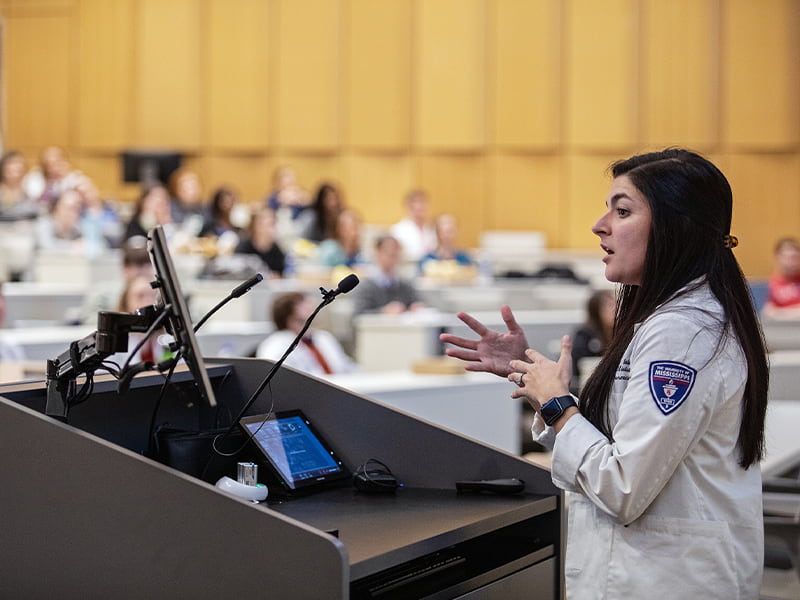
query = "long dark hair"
{"x": 325, "y": 226}
{"x": 691, "y": 205}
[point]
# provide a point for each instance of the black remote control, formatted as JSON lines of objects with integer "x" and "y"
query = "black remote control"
{"x": 495, "y": 486}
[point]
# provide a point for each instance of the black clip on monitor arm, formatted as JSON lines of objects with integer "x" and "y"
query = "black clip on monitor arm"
{"x": 87, "y": 355}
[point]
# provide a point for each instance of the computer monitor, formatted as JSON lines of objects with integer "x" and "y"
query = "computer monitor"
{"x": 148, "y": 167}
{"x": 178, "y": 322}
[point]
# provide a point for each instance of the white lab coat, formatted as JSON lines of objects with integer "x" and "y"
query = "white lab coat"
{"x": 664, "y": 511}
{"x": 302, "y": 358}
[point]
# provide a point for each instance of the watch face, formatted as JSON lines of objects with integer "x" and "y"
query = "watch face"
{"x": 551, "y": 411}
{"x": 555, "y": 407}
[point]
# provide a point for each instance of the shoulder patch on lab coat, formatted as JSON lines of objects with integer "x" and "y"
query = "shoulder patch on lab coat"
{"x": 670, "y": 384}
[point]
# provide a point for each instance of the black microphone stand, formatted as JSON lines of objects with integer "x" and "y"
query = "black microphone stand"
{"x": 328, "y": 296}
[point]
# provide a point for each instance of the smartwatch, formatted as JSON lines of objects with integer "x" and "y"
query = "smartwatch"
{"x": 555, "y": 407}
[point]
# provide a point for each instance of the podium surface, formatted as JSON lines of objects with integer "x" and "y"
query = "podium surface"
{"x": 87, "y": 513}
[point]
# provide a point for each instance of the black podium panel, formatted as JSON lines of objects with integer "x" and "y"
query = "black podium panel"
{"x": 81, "y": 499}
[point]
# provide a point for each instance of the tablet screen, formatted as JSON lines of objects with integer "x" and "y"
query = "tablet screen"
{"x": 297, "y": 453}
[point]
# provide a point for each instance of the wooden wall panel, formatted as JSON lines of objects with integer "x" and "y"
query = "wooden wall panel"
{"x": 307, "y": 84}
{"x": 236, "y": 64}
{"x": 761, "y": 70}
{"x": 507, "y": 111}
{"x": 105, "y": 170}
{"x": 765, "y": 206}
{"x": 601, "y": 96}
{"x": 449, "y": 83}
{"x": 526, "y": 193}
{"x": 457, "y": 184}
{"x": 249, "y": 175}
{"x": 377, "y": 185}
{"x": 311, "y": 168}
{"x": 167, "y": 90}
{"x": 524, "y": 74}
{"x": 680, "y": 73}
{"x": 39, "y": 81}
{"x": 378, "y": 74}
{"x": 103, "y": 104}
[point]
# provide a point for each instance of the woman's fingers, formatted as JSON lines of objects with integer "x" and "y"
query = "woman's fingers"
{"x": 473, "y": 324}
{"x": 466, "y": 343}
{"x": 509, "y": 319}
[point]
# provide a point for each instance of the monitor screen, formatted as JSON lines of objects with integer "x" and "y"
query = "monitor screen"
{"x": 149, "y": 166}
{"x": 299, "y": 456}
{"x": 178, "y": 322}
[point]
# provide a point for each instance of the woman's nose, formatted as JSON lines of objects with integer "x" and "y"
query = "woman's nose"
{"x": 601, "y": 226}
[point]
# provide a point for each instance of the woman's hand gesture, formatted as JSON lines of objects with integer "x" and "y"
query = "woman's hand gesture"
{"x": 493, "y": 351}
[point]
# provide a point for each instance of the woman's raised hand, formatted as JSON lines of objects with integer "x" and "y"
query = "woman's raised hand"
{"x": 492, "y": 352}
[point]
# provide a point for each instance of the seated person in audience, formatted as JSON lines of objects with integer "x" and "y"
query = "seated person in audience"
{"x": 286, "y": 193}
{"x": 318, "y": 353}
{"x": 9, "y": 351}
{"x": 15, "y": 202}
{"x": 261, "y": 241}
{"x": 138, "y": 293}
{"x": 61, "y": 230}
{"x": 322, "y": 214}
{"x": 53, "y": 176}
{"x": 220, "y": 222}
{"x": 187, "y": 204}
{"x": 152, "y": 208}
{"x": 591, "y": 338}
{"x": 447, "y": 257}
{"x": 783, "y": 296}
{"x": 414, "y": 231}
{"x": 345, "y": 248}
{"x": 99, "y": 216}
{"x": 384, "y": 291}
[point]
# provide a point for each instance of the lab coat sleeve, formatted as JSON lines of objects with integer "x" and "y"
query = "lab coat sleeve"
{"x": 624, "y": 475}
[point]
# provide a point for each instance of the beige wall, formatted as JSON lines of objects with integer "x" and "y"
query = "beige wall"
{"x": 507, "y": 111}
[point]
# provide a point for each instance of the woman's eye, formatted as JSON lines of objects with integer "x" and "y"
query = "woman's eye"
{"x": 623, "y": 212}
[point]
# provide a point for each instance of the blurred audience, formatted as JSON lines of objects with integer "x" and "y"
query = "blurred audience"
{"x": 102, "y": 225}
{"x": 318, "y": 353}
{"x": 783, "y": 296}
{"x": 50, "y": 178}
{"x": 447, "y": 257}
{"x": 261, "y": 241}
{"x": 287, "y": 193}
{"x": 320, "y": 223}
{"x": 222, "y": 222}
{"x": 187, "y": 204}
{"x": 289, "y": 201}
{"x": 344, "y": 249}
{"x": 15, "y": 202}
{"x": 61, "y": 229}
{"x": 138, "y": 293}
{"x": 152, "y": 208}
{"x": 414, "y": 232}
{"x": 383, "y": 290}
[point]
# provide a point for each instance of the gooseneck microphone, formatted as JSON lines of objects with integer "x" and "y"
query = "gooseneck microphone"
{"x": 328, "y": 296}
{"x": 347, "y": 284}
{"x": 239, "y": 291}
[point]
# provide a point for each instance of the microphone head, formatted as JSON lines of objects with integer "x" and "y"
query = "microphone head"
{"x": 347, "y": 284}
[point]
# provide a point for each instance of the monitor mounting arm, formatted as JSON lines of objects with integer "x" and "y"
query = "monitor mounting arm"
{"x": 86, "y": 355}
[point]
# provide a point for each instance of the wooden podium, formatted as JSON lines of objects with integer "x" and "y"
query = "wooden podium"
{"x": 86, "y": 514}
